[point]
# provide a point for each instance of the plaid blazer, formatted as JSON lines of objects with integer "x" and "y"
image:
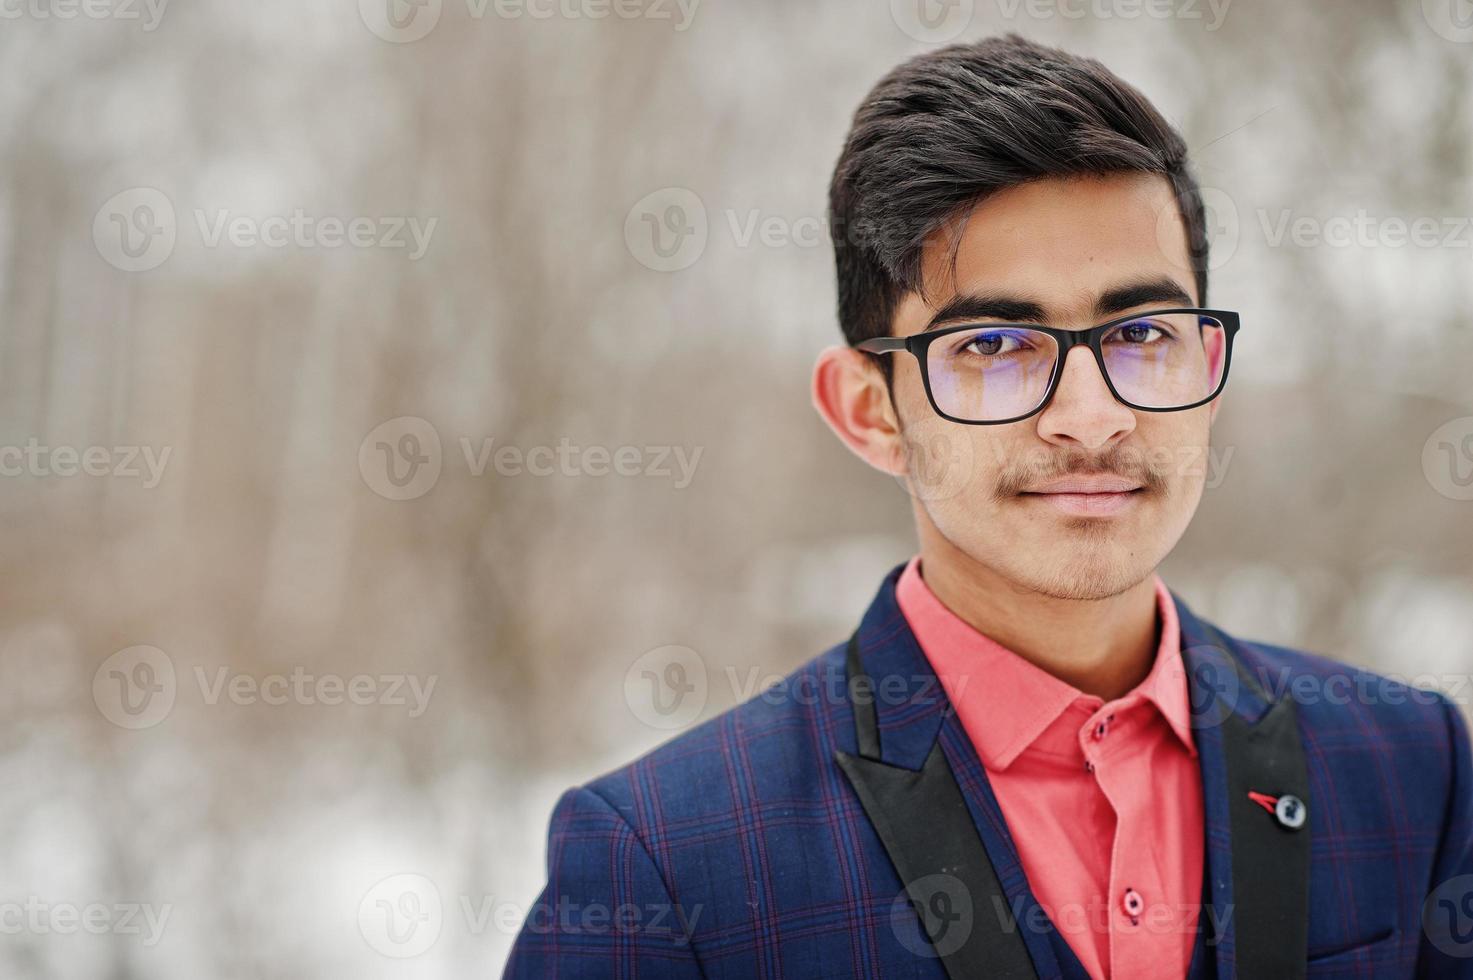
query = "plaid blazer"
{"x": 840, "y": 824}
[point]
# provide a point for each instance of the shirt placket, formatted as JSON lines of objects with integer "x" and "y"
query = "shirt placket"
{"x": 1135, "y": 892}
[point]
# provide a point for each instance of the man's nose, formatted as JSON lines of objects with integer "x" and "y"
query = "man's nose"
{"x": 1083, "y": 411}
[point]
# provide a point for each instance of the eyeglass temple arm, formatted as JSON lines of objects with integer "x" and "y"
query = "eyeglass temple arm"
{"x": 881, "y": 345}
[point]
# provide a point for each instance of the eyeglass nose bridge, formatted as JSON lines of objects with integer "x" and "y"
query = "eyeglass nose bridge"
{"x": 1067, "y": 341}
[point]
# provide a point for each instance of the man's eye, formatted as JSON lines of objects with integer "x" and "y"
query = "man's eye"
{"x": 991, "y": 343}
{"x": 1138, "y": 332}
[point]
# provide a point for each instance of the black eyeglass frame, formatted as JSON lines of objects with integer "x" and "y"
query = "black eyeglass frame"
{"x": 920, "y": 343}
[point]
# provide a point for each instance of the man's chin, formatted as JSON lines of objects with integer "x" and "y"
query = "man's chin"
{"x": 1083, "y": 570}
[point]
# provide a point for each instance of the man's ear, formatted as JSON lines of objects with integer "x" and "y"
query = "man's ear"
{"x": 850, "y": 393}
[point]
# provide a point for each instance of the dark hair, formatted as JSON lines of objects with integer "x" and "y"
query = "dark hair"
{"x": 952, "y": 126}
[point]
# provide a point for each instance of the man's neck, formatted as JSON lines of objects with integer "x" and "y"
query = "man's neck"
{"x": 1103, "y": 647}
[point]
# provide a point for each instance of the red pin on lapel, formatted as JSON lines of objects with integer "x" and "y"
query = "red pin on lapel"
{"x": 1288, "y": 810}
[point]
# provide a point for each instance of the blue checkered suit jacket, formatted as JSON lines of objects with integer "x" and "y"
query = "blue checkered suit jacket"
{"x": 841, "y": 825}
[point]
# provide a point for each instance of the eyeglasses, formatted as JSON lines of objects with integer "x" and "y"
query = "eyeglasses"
{"x": 993, "y": 373}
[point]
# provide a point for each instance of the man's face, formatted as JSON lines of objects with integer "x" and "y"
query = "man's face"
{"x": 1072, "y": 248}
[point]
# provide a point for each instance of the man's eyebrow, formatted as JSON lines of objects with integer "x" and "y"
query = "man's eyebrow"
{"x": 989, "y": 306}
{"x": 1162, "y": 291}
{"x": 1017, "y": 309}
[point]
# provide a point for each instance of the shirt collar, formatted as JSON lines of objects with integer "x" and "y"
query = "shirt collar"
{"x": 1019, "y": 699}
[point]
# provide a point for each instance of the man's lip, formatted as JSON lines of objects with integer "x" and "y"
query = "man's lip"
{"x": 1086, "y": 484}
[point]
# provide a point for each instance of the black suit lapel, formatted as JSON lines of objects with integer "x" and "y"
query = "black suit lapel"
{"x": 1249, "y": 743}
{"x": 928, "y": 833}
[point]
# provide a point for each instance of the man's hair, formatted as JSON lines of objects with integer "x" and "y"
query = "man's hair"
{"x": 950, "y": 127}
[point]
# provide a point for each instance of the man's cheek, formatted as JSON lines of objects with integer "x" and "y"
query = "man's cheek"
{"x": 940, "y": 459}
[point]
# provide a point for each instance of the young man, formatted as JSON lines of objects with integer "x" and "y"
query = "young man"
{"x": 1032, "y": 758}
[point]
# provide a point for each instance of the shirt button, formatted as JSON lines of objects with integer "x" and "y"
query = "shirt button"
{"x": 1102, "y": 728}
{"x": 1133, "y": 904}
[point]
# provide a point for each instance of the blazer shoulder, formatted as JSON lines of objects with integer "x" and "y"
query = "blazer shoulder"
{"x": 1355, "y": 711}
{"x": 769, "y": 744}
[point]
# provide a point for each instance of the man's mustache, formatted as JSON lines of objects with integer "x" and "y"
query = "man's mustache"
{"x": 1128, "y": 464}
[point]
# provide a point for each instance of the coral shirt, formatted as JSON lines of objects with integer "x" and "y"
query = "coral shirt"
{"x": 1103, "y": 799}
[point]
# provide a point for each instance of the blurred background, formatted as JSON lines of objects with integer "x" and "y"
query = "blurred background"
{"x": 389, "y": 389}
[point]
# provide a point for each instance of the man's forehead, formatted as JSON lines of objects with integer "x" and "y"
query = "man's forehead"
{"x": 1067, "y": 247}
